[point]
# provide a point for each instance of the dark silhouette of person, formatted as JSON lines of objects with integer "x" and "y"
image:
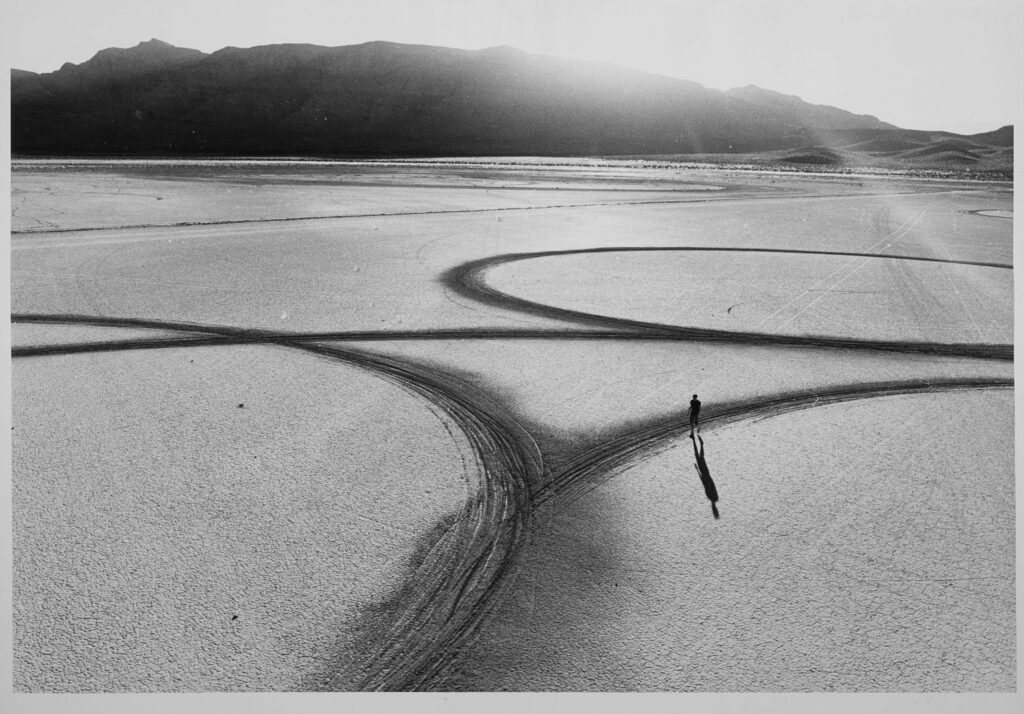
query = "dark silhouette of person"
{"x": 705, "y": 475}
{"x": 694, "y": 413}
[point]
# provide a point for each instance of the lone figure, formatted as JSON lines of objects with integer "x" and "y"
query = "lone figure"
{"x": 705, "y": 475}
{"x": 694, "y": 413}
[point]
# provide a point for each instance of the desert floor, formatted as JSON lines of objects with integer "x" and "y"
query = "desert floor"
{"x": 417, "y": 425}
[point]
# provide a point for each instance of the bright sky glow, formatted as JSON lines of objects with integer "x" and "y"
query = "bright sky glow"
{"x": 956, "y": 65}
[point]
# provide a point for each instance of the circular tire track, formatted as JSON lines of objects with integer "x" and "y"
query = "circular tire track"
{"x": 469, "y": 280}
{"x": 467, "y": 572}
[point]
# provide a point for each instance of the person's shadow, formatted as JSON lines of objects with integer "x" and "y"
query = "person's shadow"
{"x": 705, "y": 474}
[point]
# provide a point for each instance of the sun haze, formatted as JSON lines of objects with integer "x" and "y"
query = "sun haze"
{"x": 923, "y": 64}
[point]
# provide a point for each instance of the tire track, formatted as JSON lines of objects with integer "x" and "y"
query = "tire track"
{"x": 69, "y": 348}
{"x": 292, "y": 219}
{"x": 467, "y": 570}
{"x": 843, "y": 272}
{"x": 696, "y": 197}
{"x": 466, "y": 573}
{"x": 469, "y": 280}
{"x": 236, "y": 336}
{"x": 991, "y": 213}
{"x": 617, "y": 452}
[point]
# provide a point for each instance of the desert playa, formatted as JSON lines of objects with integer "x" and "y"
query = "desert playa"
{"x": 298, "y": 425}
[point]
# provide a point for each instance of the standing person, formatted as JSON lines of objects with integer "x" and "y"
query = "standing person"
{"x": 694, "y": 413}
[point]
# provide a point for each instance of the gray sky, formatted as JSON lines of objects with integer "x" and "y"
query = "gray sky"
{"x": 923, "y": 64}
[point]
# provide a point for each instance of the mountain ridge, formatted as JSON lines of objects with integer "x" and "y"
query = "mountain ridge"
{"x": 385, "y": 98}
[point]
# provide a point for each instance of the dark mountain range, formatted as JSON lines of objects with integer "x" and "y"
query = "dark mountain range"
{"x": 797, "y": 112}
{"x": 382, "y": 98}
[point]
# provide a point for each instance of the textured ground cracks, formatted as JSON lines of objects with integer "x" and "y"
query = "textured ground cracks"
{"x": 469, "y": 568}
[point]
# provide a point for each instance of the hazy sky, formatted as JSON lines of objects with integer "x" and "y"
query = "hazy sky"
{"x": 956, "y": 65}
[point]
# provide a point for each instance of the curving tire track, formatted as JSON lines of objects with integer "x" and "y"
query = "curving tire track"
{"x": 469, "y": 280}
{"x": 68, "y": 348}
{"x": 467, "y": 571}
{"x": 617, "y": 452}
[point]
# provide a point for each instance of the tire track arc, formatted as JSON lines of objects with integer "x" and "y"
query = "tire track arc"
{"x": 467, "y": 571}
{"x": 619, "y": 451}
{"x": 470, "y": 280}
{"x": 452, "y": 594}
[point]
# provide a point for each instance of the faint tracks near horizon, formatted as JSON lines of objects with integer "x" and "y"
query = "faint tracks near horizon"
{"x": 723, "y": 194}
{"x": 843, "y": 272}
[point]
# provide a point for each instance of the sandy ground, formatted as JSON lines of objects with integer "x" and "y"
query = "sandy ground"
{"x": 575, "y": 393}
{"x": 209, "y": 519}
{"x": 389, "y": 276}
{"x": 381, "y": 272}
{"x": 96, "y": 196}
{"x": 778, "y": 293}
{"x": 27, "y": 335}
{"x": 862, "y": 546}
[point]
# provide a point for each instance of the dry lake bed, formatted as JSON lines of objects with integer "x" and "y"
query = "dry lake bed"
{"x": 422, "y": 425}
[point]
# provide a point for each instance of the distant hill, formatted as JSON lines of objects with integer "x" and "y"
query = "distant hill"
{"x": 773, "y": 105}
{"x": 382, "y": 98}
{"x": 1000, "y": 137}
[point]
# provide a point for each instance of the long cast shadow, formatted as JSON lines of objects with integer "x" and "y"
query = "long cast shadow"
{"x": 705, "y": 475}
{"x": 422, "y": 632}
{"x": 613, "y": 450}
{"x": 524, "y": 639}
